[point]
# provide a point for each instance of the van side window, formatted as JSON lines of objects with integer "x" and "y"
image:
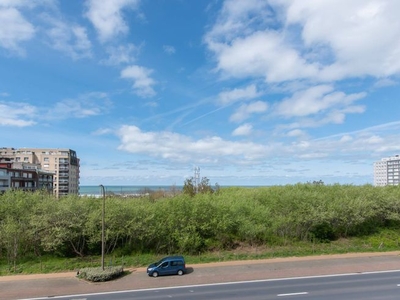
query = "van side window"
{"x": 174, "y": 263}
{"x": 164, "y": 264}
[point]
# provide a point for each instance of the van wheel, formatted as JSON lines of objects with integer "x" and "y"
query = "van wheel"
{"x": 180, "y": 272}
{"x": 155, "y": 274}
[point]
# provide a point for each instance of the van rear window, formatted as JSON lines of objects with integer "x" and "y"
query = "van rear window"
{"x": 177, "y": 263}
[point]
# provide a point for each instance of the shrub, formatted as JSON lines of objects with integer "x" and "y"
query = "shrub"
{"x": 98, "y": 274}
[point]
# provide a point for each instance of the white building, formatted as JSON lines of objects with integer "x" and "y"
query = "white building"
{"x": 387, "y": 171}
{"x": 62, "y": 162}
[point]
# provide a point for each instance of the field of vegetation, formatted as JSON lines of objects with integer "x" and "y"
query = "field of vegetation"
{"x": 39, "y": 233}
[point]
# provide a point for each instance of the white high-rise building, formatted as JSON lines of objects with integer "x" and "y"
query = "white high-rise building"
{"x": 387, "y": 171}
{"x": 62, "y": 162}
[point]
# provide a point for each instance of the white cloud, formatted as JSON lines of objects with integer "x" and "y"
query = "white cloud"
{"x": 244, "y": 129}
{"x": 169, "y": 49}
{"x": 362, "y": 35}
{"x": 151, "y": 104}
{"x": 121, "y": 54}
{"x": 107, "y": 18}
{"x": 262, "y": 54}
{"x": 346, "y": 138}
{"x": 296, "y": 133}
{"x": 70, "y": 39}
{"x": 237, "y": 94}
{"x": 17, "y": 114}
{"x": 102, "y": 131}
{"x": 384, "y": 82}
{"x": 14, "y": 29}
{"x": 237, "y": 17}
{"x": 338, "y": 39}
{"x": 176, "y": 147}
{"x": 245, "y": 111}
{"x": 315, "y": 100}
{"x": 142, "y": 82}
{"x": 86, "y": 105}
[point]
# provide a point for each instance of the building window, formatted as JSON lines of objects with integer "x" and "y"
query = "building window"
{"x": 46, "y": 159}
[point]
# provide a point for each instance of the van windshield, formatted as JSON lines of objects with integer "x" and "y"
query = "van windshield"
{"x": 158, "y": 262}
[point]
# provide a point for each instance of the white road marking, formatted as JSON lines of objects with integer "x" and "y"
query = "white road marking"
{"x": 292, "y": 294}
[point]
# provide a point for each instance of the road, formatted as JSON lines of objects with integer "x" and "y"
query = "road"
{"x": 375, "y": 285}
{"x": 53, "y": 285}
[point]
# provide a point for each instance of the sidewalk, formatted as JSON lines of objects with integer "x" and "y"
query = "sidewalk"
{"x": 57, "y": 284}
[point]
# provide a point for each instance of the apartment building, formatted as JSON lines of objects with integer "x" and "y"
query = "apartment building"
{"x": 63, "y": 163}
{"x": 24, "y": 177}
{"x": 387, "y": 171}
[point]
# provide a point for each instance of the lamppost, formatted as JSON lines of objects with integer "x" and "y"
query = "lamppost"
{"x": 102, "y": 226}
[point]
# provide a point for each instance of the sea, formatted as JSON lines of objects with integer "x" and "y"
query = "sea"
{"x": 96, "y": 191}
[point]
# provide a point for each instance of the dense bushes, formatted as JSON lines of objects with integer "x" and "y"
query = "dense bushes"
{"x": 100, "y": 275}
{"x": 34, "y": 224}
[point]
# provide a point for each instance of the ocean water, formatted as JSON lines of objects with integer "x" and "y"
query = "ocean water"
{"x": 95, "y": 190}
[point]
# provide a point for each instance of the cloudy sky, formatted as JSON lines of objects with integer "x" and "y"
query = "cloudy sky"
{"x": 255, "y": 92}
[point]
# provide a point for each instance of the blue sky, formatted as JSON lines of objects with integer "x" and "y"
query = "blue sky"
{"x": 253, "y": 92}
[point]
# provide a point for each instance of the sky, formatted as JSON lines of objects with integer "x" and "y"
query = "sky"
{"x": 255, "y": 92}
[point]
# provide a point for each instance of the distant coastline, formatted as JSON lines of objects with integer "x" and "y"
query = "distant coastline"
{"x": 95, "y": 190}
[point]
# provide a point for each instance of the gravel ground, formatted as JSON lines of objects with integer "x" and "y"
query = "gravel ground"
{"x": 48, "y": 285}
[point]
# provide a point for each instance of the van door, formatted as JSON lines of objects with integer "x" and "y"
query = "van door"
{"x": 174, "y": 265}
{"x": 163, "y": 269}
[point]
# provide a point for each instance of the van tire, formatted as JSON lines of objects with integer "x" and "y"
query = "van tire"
{"x": 180, "y": 272}
{"x": 155, "y": 274}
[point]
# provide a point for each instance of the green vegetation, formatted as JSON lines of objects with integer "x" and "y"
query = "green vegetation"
{"x": 98, "y": 274}
{"x": 41, "y": 234}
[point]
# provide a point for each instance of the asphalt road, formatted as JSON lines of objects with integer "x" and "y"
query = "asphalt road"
{"x": 51, "y": 285}
{"x": 351, "y": 286}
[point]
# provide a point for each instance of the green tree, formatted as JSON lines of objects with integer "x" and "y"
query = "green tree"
{"x": 189, "y": 187}
{"x": 205, "y": 187}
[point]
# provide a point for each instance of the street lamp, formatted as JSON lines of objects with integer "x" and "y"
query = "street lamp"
{"x": 102, "y": 226}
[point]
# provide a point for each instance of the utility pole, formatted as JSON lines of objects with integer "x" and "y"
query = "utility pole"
{"x": 103, "y": 226}
{"x": 197, "y": 178}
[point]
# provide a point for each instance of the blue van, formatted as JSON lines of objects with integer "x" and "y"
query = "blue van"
{"x": 170, "y": 265}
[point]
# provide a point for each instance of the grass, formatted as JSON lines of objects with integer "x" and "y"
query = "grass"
{"x": 385, "y": 240}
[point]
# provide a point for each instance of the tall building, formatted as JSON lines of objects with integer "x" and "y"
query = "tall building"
{"x": 387, "y": 171}
{"x": 64, "y": 163}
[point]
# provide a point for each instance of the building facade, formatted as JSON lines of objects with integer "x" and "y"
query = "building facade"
{"x": 21, "y": 177}
{"x": 387, "y": 171}
{"x": 62, "y": 163}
